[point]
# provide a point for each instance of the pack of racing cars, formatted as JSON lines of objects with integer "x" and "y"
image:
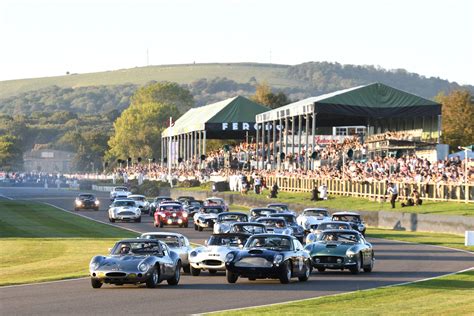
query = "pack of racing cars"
{"x": 270, "y": 242}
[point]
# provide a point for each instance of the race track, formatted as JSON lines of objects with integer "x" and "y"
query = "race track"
{"x": 396, "y": 262}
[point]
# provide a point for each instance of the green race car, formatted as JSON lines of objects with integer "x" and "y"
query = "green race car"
{"x": 341, "y": 249}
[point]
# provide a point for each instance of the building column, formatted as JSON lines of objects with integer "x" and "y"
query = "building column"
{"x": 268, "y": 146}
{"x": 203, "y": 144}
{"x": 162, "y": 151}
{"x": 293, "y": 136}
{"x": 307, "y": 143}
{"x": 300, "y": 123}
{"x": 280, "y": 144}
{"x": 286, "y": 135}
{"x": 274, "y": 143}
{"x": 263, "y": 145}
{"x": 257, "y": 133}
{"x": 199, "y": 144}
{"x": 439, "y": 130}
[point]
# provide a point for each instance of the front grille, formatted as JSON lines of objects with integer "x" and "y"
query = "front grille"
{"x": 126, "y": 213}
{"x": 116, "y": 274}
{"x": 253, "y": 262}
{"x": 327, "y": 259}
{"x": 212, "y": 262}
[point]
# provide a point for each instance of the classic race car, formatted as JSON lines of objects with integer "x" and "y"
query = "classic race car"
{"x": 184, "y": 199}
{"x": 206, "y": 217}
{"x": 250, "y": 228}
{"x": 119, "y": 192}
{"x": 281, "y": 208}
{"x": 141, "y": 201}
{"x": 341, "y": 249}
{"x": 156, "y": 201}
{"x": 192, "y": 206}
{"x": 313, "y": 235}
{"x": 290, "y": 220}
{"x": 86, "y": 201}
{"x": 258, "y": 212}
{"x": 275, "y": 225}
{"x": 224, "y": 221}
{"x": 176, "y": 242}
{"x": 310, "y": 218}
{"x": 211, "y": 257}
{"x": 171, "y": 214}
{"x": 269, "y": 256}
{"x": 124, "y": 210}
{"x": 352, "y": 218}
{"x": 213, "y": 201}
{"x": 134, "y": 261}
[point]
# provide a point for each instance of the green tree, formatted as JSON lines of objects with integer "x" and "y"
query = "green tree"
{"x": 264, "y": 95}
{"x": 137, "y": 132}
{"x": 458, "y": 118}
{"x": 11, "y": 156}
{"x": 165, "y": 93}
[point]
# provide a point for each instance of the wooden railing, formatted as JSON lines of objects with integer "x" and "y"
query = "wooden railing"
{"x": 376, "y": 190}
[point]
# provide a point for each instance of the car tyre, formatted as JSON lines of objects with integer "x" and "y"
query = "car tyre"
{"x": 153, "y": 280}
{"x": 285, "y": 277}
{"x": 96, "y": 209}
{"x": 138, "y": 220}
{"x": 356, "y": 269}
{"x": 161, "y": 224}
{"x": 177, "y": 275}
{"x": 200, "y": 228}
{"x": 212, "y": 271}
{"x": 231, "y": 276}
{"x": 187, "y": 268}
{"x": 76, "y": 209}
{"x": 111, "y": 220}
{"x": 195, "y": 227}
{"x": 195, "y": 272}
{"x": 96, "y": 284}
{"x": 305, "y": 277}
{"x": 186, "y": 225}
{"x": 156, "y": 224}
{"x": 371, "y": 266}
{"x": 321, "y": 270}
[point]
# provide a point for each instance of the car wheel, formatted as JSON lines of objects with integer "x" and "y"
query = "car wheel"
{"x": 212, "y": 271}
{"x": 96, "y": 209}
{"x": 307, "y": 272}
{"x": 152, "y": 281}
{"x": 321, "y": 270}
{"x": 187, "y": 268}
{"x": 156, "y": 224}
{"x": 111, "y": 220}
{"x": 200, "y": 228}
{"x": 231, "y": 276}
{"x": 285, "y": 277}
{"x": 186, "y": 224}
{"x": 194, "y": 271}
{"x": 177, "y": 274}
{"x": 96, "y": 284}
{"x": 195, "y": 227}
{"x": 161, "y": 224}
{"x": 76, "y": 209}
{"x": 371, "y": 265}
{"x": 356, "y": 268}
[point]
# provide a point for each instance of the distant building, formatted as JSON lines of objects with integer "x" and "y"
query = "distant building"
{"x": 48, "y": 160}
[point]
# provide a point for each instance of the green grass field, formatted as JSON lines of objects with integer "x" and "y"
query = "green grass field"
{"x": 336, "y": 202}
{"x": 450, "y": 295}
{"x": 41, "y": 243}
{"x": 239, "y": 72}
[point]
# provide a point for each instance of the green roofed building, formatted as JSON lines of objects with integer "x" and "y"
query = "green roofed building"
{"x": 233, "y": 118}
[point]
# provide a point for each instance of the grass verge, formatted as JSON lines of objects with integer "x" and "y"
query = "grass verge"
{"x": 337, "y": 202}
{"x": 449, "y": 295}
{"x": 41, "y": 243}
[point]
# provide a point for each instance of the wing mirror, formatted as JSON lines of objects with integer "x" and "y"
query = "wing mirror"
{"x": 110, "y": 250}
{"x": 241, "y": 246}
{"x": 205, "y": 242}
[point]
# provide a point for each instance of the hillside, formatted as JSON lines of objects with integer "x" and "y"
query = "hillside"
{"x": 105, "y": 91}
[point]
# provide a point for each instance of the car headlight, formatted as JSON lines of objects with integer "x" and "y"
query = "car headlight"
{"x": 361, "y": 227}
{"x": 97, "y": 202}
{"x": 185, "y": 214}
{"x": 78, "y": 203}
{"x": 143, "y": 267}
{"x": 193, "y": 254}
{"x": 278, "y": 259}
{"x": 350, "y": 253}
{"x": 230, "y": 256}
{"x": 94, "y": 265}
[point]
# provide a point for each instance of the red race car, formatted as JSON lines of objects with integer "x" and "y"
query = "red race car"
{"x": 171, "y": 214}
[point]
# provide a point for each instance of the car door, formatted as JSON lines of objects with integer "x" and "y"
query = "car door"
{"x": 366, "y": 250}
{"x": 167, "y": 262}
{"x": 298, "y": 258}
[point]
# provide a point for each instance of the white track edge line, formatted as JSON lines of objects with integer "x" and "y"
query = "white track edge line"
{"x": 415, "y": 243}
{"x": 333, "y": 295}
{"x": 41, "y": 283}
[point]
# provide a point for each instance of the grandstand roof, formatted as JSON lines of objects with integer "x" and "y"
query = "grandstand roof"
{"x": 218, "y": 119}
{"x": 374, "y": 100}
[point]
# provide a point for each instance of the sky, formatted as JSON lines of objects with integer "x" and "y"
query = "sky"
{"x": 49, "y": 38}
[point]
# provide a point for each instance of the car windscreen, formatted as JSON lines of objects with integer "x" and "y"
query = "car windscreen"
{"x": 170, "y": 208}
{"x": 234, "y": 241}
{"x": 195, "y": 204}
{"x": 160, "y": 199}
{"x": 86, "y": 197}
{"x": 263, "y": 212}
{"x": 171, "y": 241}
{"x": 232, "y": 218}
{"x": 136, "y": 248}
{"x": 138, "y": 198}
{"x": 123, "y": 203}
{"x": 249, "y": 229}
{"x": 346, "y": 237}
{"x": 290, "y": 219}
{"x": 212, "y": 210}
{"x": 326, "y": 226}
{"x": 120, "y": 189}
{"x": 269, "y": 242}
{"x": 272, "y": 222}
{"x": 283, "y": 208}
{"x": 316, "y": 213}
{"x": 346, "y": 218}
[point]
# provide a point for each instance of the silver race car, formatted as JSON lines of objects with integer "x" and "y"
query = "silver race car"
{"x": 124, "y": 210}
{"x": 176, "y": 242}
{"x": 225, "y": 220}
{"x": 310, "y": 218}
{"x": 134, "y": 261}
{"x": 212, "y": 256}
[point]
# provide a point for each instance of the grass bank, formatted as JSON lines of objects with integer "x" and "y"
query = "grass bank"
{"x": 41, "y": 243}
{"x": 337, "y": 202}
{"x": 450, "y": 295}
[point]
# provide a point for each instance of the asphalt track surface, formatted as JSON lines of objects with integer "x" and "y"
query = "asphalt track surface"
{"x": 396, "y": 262}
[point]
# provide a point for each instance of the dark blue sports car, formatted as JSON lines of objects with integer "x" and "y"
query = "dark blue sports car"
{"x": 269, "y": 256}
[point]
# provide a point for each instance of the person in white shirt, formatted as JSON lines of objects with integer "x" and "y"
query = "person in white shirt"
{"x": 393, "y": 191}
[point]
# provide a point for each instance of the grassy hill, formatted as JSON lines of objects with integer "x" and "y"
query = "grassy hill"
{"x": 275, "y": 75}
